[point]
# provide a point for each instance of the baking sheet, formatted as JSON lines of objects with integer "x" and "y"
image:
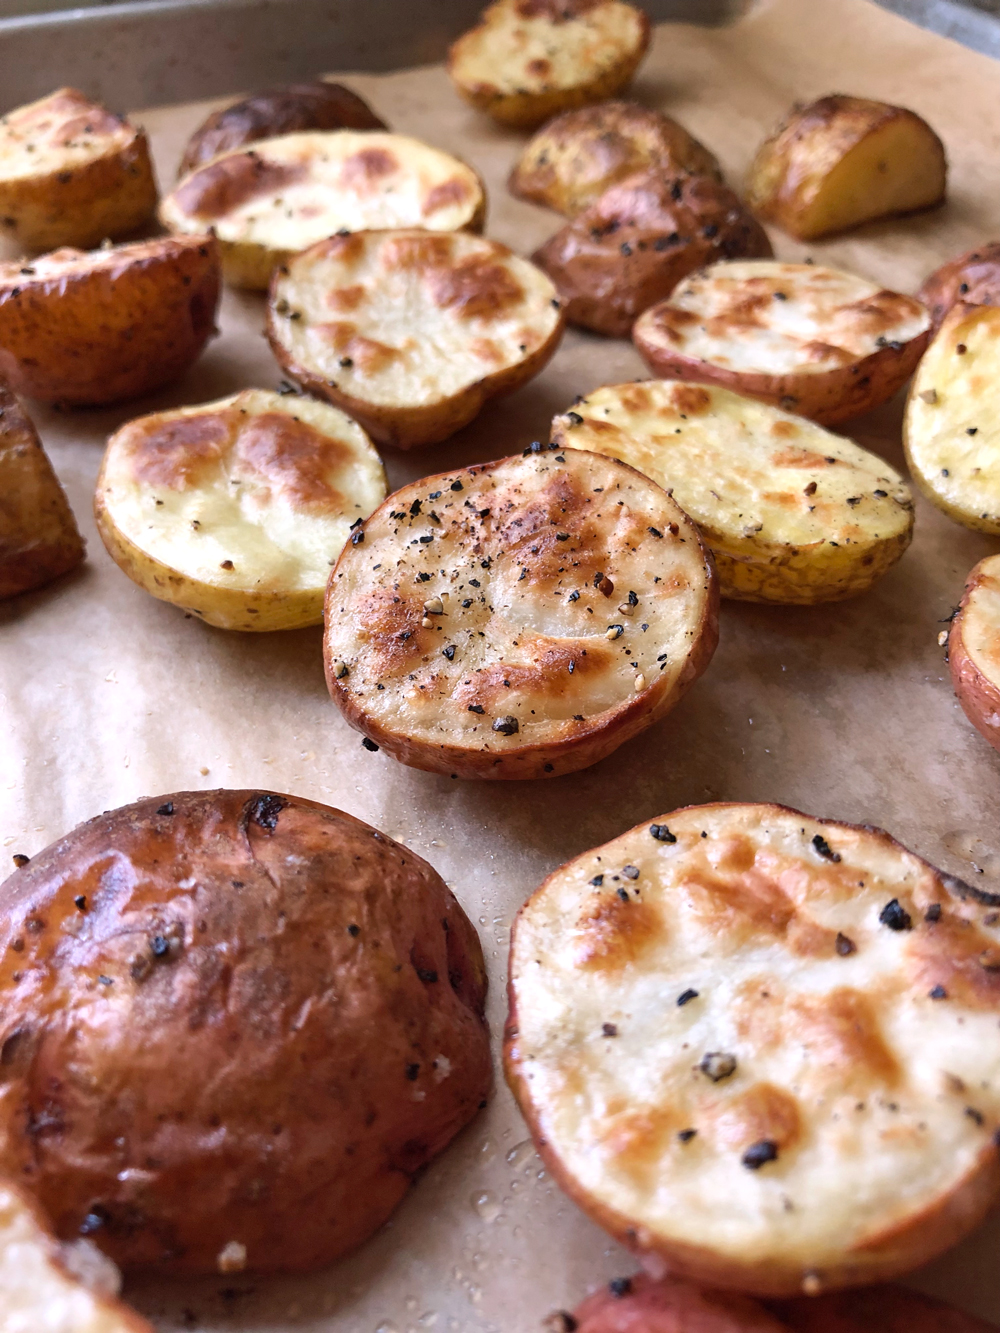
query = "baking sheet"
{"x": 844, "y": 711}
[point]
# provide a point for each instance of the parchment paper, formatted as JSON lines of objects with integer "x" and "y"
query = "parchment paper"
{"x": 843, "y": 711}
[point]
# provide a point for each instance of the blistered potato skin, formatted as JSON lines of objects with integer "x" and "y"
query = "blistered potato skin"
{"x": 640, "y": 1304}
{"x": 974, "y": 649}
{"x": 972, "y": 278}
{"x": 243, "y": 995}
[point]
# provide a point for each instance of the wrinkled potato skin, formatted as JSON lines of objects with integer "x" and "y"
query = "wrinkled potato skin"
{"x": 622, "y": 254}
{"x": 978, "y": 694}
{"x": 888, "y": 1309}
{"x": 972, "y": 278}
{"x": 283, "y": 110}
{"x": 254, "y": 1080}
{"x": 670, "y": 1305}
{"x": 573, "y": 159}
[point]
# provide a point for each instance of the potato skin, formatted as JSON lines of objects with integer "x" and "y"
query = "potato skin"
{"x": 223, "y": 1011}
{"x": 642, "y": 237}
{"x": 973, "y": 278}
{"x": 88, "y": 330}
{"x": 978, "y": 693}
{"x": 281, "y": 110}
{"x": 642, "y": 1304}
{"x": 888, "y": 1309}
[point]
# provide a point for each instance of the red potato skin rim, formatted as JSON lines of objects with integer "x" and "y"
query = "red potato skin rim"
{"x": 976, "y": 692}
{"x": 592, "y": 742}
{"x": 899, "y": 1249}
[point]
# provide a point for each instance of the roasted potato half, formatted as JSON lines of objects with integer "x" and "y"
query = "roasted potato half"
{"x": 632, "y": 248}
{"x": 39, "y": 539}
{"x": 842, "y": 161}
{"x": 972, "y": 278}
{"x": 974, "y": 649}
{"x": 951, "y": 432}
{"x": 237, "y": 510}
{"x": 790, "y": 512}
{"x": 762, "y": 1046}
{"x": 884, "y": 1309}
{"x": 71, "y": 173}
{"x": 85, "y": 329}
{"x": 260, "y": 1019}
{"x": 411, "y": 332}
{"x": 573, "y": 159}
{"x": 816, "y": 341}
{"x": 527, "y": 60}
{"x": 520, "y": 619}
{"x": 638, "y": 1304}
{"x": 266, "y": 203}
{"x": 276, "y": 111}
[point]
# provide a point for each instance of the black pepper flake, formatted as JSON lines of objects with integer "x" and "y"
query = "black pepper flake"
{"x": 357, "y": 537}
{"x": 427, "y": 975}
{"x": 759, "y": 1154}
{"x": 894, "y": 916}
{"x": 933, "y": 912}
{"x": 265, "y": 809}
{"x": 548, "y": 768}
{"x": 718, "y": 1065}
{"x": 342, "y": 671}
{"x": 467, "y": 602}
{"x": 562, "y": 536}
{"x": 105, "y": 981}
{"x": 574, "y": 596}
{"x": 449, "y": 652}
{"x": 457, "y": 486}
{"x": 661, "y": 833}
{"x": 609, "y": 1029}
{"x": 880, "y": 494}
{"x": 710, "y": 231}
{"x": 686, "y": 1135}
{"x": 781, "y": 296}
{"x": 411, "y": 1072}
{"x": 823, "y": 848}
{"x": 507, "y": 726}
{"x": 961, "y": 349}
{"x": 974, "y": 1115}
{"x": 676, "y": 190}
{"x": 80, "y": 902}
{"x": 476, "y": 708}
{"x": 972, "y": 430}
{"x": 619, "y": 630}
{"x": 434, "y": 495}
{"x": 844, "y": 945}
{"x": 655, "y": 531}
{"x": 415, "y": 508}
{"x": 937, "y": 993}
{"x": 620, "y": 1286}
{"x": 685, "y": 997}
{"x": 159, "y": 945}
{"x": 626, "y": 249}
{"x": 167, "y": 808}
{"x": 561, "y": 1321}
{"x": 354, "y": 931}
{"x": 571, "y": 668}
{"x": 630, "y": 872}
{"x": 575, "y": 418}
{"x": 623, "y": 895}
{"x": 369, "y": 745}
{"x": 95, "y": 1218}
{"x": 597, "y": 881}
{"x": 20, "y": 860}
{"x": 475, "y": 583}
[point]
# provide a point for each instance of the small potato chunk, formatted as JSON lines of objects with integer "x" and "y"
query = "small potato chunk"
{"x": 762, "y": 1047}
{"x": 275, "y": 111}
{"x": 527, "y": 60}
{"x": 973, "y": 278}
{"x": 815, "y": 341}
{"x": 951, "y": 431}
{"x": 86, "y": 329}
{"x": 632, "y": 248}
{"x": 412, "y": 332}
{"x": 974, "y": 649}
{"x": 886, "y": 1309}
{"x": 520, "y": 619}
{"x": 71, "y": 173}
{"x": 237, "y": 510}
{"x": 639, "y": 1304}
{"x": 790, "y": 512}
{"x": 270, "y": 201}
{"x": 573, "y": 159}
{"x": 39, "y": 539}
{"x": 842, "y": 161}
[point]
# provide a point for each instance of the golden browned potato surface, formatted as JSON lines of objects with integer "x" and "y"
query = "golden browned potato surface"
{"x": 974, "y": 649}
{"x": 972, "y": 278}
{"x": 282, "y": 110}
{"x": 762, "y": 1046}
{"x": 639, "y": 1304}
{"x": 634, "y": 245}
{"x": 71, "y": 173}
{"x": 888, "y": 1309}
{"x": 85, "y": 329}
{"x": 235, "y": 1026}
{"x": 39, "y": 539}
{"x": 842, "y": 161}
{"x": 573, "y": 159}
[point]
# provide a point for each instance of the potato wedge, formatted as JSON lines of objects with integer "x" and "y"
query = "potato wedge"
{"x": 520, "y": 619}
{"x": 886, "y": 1309}
{"x": 237, "y": 510}
{"x": 815, "y": 341}
{"x": 411, "y": 332}
{"x": 527, "y": 60}
{"x": 951, "y": 433}
{"x": 638, "y": 1304}
{"x": 39, "y": 539}
{"x": 762, "y": 1046}
{"x": 267, "y": 202}
{"x": 972, "y": 278}
{"x": 790, "y": 512}
{"x": 632, "y": 248}
{"x": 85, "y": 329}
{"x": 573, "y": 159}
{"x": 71, "y": 173}
{"x": 974, "y": 649}
{"x": 261, "y": 1019}
{"x": 276, "y": 111}
{"x": 842, "y": 161}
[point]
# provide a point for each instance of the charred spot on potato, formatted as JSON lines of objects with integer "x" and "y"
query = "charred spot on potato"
{"x": 265, "y": 809}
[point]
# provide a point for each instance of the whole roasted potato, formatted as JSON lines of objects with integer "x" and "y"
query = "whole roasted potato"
{"x": 974, "y": 649}
{"x": 841, "y": 161}
{"x": 235, "y": 1026}
{"x": 885, "y": 1309}
{"x": 282, "y": 110}
{"x": 642, "y": 237}
{"x": 573, "y": 159}
{"x": 83, "y": 330}
{"x": 640, "y": 1304}
{"x": 972, "y": 278}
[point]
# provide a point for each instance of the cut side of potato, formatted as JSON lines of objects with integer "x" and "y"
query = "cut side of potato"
{"x": 974, "y": 649}
{"x": 237, "y": 510}
{"x": 410, "y": 332}
{"x": 86, "y": 329}
{"x": 790, "y": 512}
{"x": 640, "y": 1304}
{"x": 39, "y": 539}
{"x": 842, "y": 161}
{"x": 520, "y": 619}
{"x": 270, "y": 201}
{"x": 527, "y": 60}
{"x": 951, "y": 431}
{"x": 631, "y": 248}
{"x": 815, "y": 341}
{"x": 972, "y": 278}
{"x": 573, "y": 159}
{"x": 884, "y": 1309}
{"x": 762, "y": 1046}
{"x": 71, "y": 173}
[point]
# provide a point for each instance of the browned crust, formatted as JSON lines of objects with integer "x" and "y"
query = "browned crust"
{"x": 898, "y": 1250}
{"x": 976, "y": 692}
{"x": 972, "y": 278}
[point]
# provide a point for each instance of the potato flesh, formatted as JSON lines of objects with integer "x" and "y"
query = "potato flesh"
{"x": 61, "y": 132}
{"x": 842, "y": 1058}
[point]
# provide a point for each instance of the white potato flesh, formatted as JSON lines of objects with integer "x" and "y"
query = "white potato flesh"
{"x": 981, "y": 624}
{"x": 785, "y": 988}
{"x": 61, "y": 132}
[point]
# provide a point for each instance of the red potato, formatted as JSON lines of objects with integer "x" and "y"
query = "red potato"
{"x": 640, "y": 1304}
{"x": 974, "y": 649}
{"x": 888, "y": 1309}
{"x": 973, "y": 278}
